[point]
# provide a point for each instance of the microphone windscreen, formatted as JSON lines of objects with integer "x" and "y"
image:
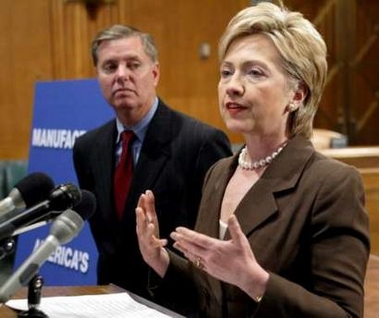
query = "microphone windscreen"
{"x": 35, "y": 188}
{"x": 87, "y": 206}
{"x": 64, "y": 196}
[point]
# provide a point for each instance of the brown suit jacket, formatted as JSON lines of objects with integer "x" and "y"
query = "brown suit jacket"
{"x": 306, "y": 224}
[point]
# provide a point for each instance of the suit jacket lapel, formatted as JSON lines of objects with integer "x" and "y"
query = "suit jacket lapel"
{"x": 104, "y": 162}
{"x": 259, "y": 204}
{"x": 154, "y": 154}
{"x": 210, "y": 207}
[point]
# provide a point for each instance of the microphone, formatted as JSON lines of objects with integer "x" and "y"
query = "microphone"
{"x": 65, "y": 227}
{"x": 86, "y": 204}
{"x": 27, "y": 192}
{"x": 63, "y": 197}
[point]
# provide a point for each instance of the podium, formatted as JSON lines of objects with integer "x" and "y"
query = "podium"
{"x": 50, "y": 291}
{"x": 371, "y": 294}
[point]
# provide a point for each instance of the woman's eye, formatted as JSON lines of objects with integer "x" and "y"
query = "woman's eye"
{"x": 225, "y": 73}
{"x": 255, "y": 72}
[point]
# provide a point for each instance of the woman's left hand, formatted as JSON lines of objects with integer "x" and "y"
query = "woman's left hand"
{"x": 231, "y": 261}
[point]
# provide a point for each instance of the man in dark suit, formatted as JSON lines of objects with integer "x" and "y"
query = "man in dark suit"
{"x": 171, "y": 154}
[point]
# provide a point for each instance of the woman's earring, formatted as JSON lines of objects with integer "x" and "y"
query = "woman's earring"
{"x": 291, "y": 107}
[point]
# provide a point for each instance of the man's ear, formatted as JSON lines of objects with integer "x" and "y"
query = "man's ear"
{"x": 156, "y": 74}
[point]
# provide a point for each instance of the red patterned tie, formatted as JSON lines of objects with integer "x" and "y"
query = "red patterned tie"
{"x": 123, "y": 172}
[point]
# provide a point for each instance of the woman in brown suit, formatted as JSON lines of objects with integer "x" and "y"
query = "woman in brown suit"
{"x": 282, "y": 230}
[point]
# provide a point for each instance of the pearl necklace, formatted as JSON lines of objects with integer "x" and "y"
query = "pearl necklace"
{"x": 244, "y": 162}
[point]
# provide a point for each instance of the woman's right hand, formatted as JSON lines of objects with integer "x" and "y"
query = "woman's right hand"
{"x": 150, "y": 245}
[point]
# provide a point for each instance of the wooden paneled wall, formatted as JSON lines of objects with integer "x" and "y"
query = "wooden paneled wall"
{"x": 25, "y": 57}
{"x": 49, "y": 40}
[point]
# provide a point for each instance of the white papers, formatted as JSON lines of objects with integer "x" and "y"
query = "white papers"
{"x": 119, "y": 305}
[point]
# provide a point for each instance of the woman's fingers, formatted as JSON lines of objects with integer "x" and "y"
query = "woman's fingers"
{"x": 235, "y": 230}
{"x": 192, "y": 244}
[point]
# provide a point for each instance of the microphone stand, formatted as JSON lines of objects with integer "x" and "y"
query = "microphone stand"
{"x": 34, "y": 299}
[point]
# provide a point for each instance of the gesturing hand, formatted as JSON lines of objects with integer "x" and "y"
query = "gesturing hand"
{"x": 151, "y": 246}
{"x": 231, "y": 261}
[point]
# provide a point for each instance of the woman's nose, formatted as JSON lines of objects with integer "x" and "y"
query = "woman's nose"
{"x": 235, "y": 86}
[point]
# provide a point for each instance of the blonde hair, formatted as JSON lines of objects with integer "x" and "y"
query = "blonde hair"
{"x": 300, "y": 45}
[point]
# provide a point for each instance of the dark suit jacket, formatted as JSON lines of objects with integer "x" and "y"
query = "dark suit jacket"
{"x": 175, "y": 155}
{"x": 306, "y": 224}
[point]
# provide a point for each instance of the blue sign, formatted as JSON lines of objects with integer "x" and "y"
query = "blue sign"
{"x": 63, "y": 110}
